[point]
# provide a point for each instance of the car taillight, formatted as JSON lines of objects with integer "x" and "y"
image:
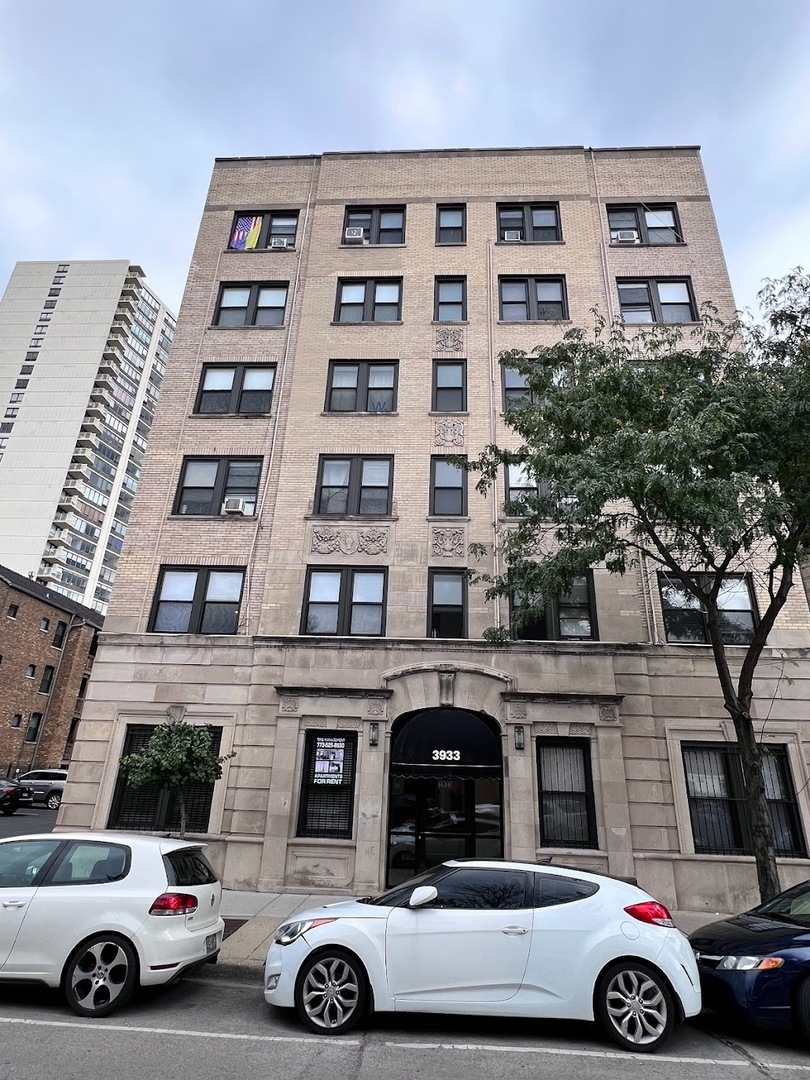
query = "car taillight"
{"x": 650, "y": 911}
{"x": 174, "y": 903}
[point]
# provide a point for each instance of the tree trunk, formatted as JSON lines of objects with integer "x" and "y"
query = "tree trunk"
{"x": 758, "y": 813}
{"x": 181, "y": 800}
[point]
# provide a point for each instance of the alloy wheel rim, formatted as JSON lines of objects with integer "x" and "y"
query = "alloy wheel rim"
{"x": 636, "y": 1007}
{"x": 99, "y": 975}
{"x": 331, "y": 993}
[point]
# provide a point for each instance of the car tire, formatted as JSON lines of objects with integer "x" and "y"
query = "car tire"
{"x": 331, "y": 992}
{"x": 100, "y": 975}
{"x": 54, "y": 800}
{"x": 634, "y": 1006}
{"x": 8, "y": 810}
{"x": 802, "y": 1009}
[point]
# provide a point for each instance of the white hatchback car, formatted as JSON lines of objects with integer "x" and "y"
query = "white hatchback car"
{"x": 99, "y": 913}
{"x": 491, "y": 938}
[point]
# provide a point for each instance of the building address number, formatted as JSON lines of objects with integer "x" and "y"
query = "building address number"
{"x": 447, "y": 755}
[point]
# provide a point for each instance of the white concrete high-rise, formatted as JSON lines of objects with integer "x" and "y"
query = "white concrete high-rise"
{"x": 83, "y": 348}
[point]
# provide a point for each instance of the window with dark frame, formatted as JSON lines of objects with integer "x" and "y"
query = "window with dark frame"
{"x": 449, "y": 386}
{"x": 380, "y": 224}
{"x": 520, "y": 484}
{"x": 451, "y": 224}
{"x": 345, "y": 600}
{"x": 205, "y": 484}
{"x": 12, "y": 611}
{"x": 47, "y": 679}
{"x": 685, "y": 620}
{"x": 354, "y": 485}
{"x": 448, "y": 488}
{"x": 251, "y": 305}
{"x": 363, "y": 300}
{"x": 244, "y": 389}
{"x": 327, "y": 788}
{"x": 16, "y": 720}
{"x": 59, "y": 635}
{"x": 450, "y": 299}
{"x": 32, "y": 730}
{"x": 536, "y": 223}
{"x": 197, "y": 600}
{"x": 571, "y": 617}
{"x": 565, "y": 789}
{"x": 656, "y": 300}
{"x": 30, "y": 671}
{"x": 718, "y": 803}
{"x": 532, "y": 299}
{"x": 447, "y": 604}
{"x": 644, "y": 224}
{"x": 256, "y": 232}
{"x": 362, "y": 386}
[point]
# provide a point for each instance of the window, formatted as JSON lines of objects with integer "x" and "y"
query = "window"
{"x": 44, "y": 624}
{"x": 54, "y": 292}
{"x": 448, "y": 488}
{"x": 252, "y": 305}
{"x": 550, "y": 890}
{"x": 481, "y": 890}
{"x": 569, "y": 617}
{"x": 661, "y": 301}
{"x": 62, "y": 268}
{"x": 520, "y": 485}
{"x": 447, "y": 604}
{"x": 11, "y": 414}
{"x": 252, "y": 232}
{"x": 380, "y": 224}
{"x": 685, "y": 620}
{"x": 12, "y": 611}
{"x": 450, "y": 300}
{"x": 31, "y": 356}
{"x": 449, "y": 385}
{"x": 32, "y": 730}
{"x": 567, "y": 814}
{"x": 47, "y": 680}
{"x": 362, "y": 386}
{"x": 22, "y": 861}
{"x": 327, "y": 791}
{"x": 534, "y": 299}
{"x": 205, "y": 484}
{"x": 369, "y": 300}
{"x": 533, "y": 222}
{"x": 644, "y": 224}
{"x": 49, "y": 305}
{"x": 16, "y": 398}
{"x": 451, "y": 224}
{"x": 197, "y": 600}
{"x": 6, "y": 428}
{"x": 718, "y": 805}
{"x": 16, "y": 720}
{"x": 241, "y": 388}
{"x": 86, "y": 862}
{"x": 30, "y": 671}
{"x": 354, "y": 485}
{"x": 345, "y": 601}
{"x": 59, "y": 635}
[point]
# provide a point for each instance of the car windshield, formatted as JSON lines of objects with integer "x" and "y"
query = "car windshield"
{"x": 398, "y": 895}
{"x": 793, "y": 906}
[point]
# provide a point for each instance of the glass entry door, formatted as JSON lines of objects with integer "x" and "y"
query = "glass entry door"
{"x": 432, "y": 819}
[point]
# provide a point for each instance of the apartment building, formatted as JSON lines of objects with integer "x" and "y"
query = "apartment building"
{"x": 83, "y": 349}
{"x": 295, "y": 574}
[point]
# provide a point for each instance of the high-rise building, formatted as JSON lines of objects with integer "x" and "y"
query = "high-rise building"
{"x": 83, "y": 349}
{"x": 296, "y": 570}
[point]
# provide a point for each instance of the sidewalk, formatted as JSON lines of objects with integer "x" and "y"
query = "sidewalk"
{"x": 252, "y": 918}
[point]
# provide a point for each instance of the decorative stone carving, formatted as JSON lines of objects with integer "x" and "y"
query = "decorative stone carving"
{"x": 581, "y": 729}
{"x": 175, "y": 713}
{"x": 349, "y": 725}
{"x": 545, "y": 729}
{"x": 607, "y": 714}
{"x": 517, "y": 710}
{"x": 447, "y": 543}
{"x": 449, "y": 431}
{"x": 447, "y": 687}
{"x": 326, "y": 540}
{"x": 316, "y": 722}
{"x": 449, "y": 339}
{"x": 375, "y": 707}
{"x": 289, "y": 705}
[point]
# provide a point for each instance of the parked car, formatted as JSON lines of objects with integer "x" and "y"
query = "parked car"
{"x": 13, "y": 795}
{"x": 756, "y": 966}
{"x": 100, "y": 913}
{"x": 491, "y": 938}
{"x": 47, "y": 785}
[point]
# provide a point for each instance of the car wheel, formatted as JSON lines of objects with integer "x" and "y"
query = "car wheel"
{"x": 803, "y": 1009}
{"x": 101, "y": 975}
{"x": 8, "y": 810}
{"x": 54, "y": 800}
{"x": 634, "y": 1006}
{"x": 331, "y": 992}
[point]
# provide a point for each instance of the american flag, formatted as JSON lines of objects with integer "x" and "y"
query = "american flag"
{"x": 241, "y": 236}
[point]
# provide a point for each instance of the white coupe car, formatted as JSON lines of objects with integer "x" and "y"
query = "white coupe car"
{"x": 491, "y": 938}
{"x": 99, "y": 913}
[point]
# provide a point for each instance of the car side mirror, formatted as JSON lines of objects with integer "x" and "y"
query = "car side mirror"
{"x": 425, "y": 894}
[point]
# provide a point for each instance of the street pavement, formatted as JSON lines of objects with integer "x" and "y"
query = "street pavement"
{"x": 28, "y": 819}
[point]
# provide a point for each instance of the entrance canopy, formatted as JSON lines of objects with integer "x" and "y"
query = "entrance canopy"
{"x": 438, "y": 741}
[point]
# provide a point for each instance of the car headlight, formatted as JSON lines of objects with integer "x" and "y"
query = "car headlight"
{"x": 291, "y": 931}
{"x": 750, "y": 963}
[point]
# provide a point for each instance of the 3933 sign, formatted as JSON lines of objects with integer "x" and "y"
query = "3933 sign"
{"x": 447, "y": 755}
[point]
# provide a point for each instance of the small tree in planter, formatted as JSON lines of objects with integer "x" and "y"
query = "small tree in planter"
{"x": 177, "y": 756}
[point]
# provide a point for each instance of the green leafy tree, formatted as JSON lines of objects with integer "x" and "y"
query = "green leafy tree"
{"x": 689, "y": 451}
{"x": 177, "y": 756}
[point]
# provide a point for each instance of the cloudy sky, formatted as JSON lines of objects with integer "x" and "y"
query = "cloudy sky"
{"x": 111, "y": 114}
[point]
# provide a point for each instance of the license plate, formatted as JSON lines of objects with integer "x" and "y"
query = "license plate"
{"x": 211, "y": 943}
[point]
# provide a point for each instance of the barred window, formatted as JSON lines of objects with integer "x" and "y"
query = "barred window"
{"x": 327, "y": 793}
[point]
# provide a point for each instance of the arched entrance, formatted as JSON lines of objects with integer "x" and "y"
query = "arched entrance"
{"x": 446, "y": 790}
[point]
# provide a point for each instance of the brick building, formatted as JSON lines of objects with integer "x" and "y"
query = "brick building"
{"x": 295, "y": 570}
{"x": 47, "y": 645}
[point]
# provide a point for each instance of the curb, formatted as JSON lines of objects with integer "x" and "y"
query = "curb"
{"x": 248, "y": 972}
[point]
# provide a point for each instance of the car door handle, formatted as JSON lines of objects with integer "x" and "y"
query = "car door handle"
{"x": 514, "y": 931}
{"x": 14, "y": 903}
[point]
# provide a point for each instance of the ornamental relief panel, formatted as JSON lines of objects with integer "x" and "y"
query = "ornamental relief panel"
{"x": 447, "y": 543}
{"x": 449, "y": 339}
{"x": 328, "y": 540}
{"x": 449, "y": 431}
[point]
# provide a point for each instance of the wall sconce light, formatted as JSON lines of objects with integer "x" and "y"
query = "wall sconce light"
{"x": 373, "y": 734}
{"x": 519, "y": 739}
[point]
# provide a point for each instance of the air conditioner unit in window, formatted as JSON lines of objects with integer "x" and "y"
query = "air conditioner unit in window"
{"x": 512, "y": 236}
{"x": 627, "y": 236}
{"x": 353, "y": 235}
{"x": 234, "y": 505}
{"x": 279, "y": 242}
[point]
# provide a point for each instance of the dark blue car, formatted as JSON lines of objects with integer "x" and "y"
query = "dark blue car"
{"x": 756, "y": 966}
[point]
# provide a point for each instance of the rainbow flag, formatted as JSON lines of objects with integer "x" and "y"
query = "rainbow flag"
{"x": 245, "y": 235}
